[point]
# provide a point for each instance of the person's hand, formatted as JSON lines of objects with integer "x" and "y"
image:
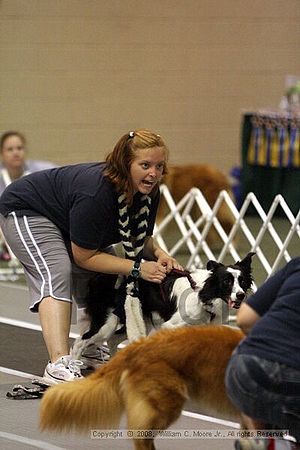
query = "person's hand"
{"x": 169, "y": 262}
{"x": 153, "y": 271}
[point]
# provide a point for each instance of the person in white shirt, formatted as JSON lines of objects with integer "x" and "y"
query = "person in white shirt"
{"x": 14, "y": 165}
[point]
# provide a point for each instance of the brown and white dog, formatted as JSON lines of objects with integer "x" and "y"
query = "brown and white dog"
{"x": 210, "y": 181}
{"x": 149, "y": 381}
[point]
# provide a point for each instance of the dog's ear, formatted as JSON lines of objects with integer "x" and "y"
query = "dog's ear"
{"x": 213, "y": 265}
{"x": 245, "y": 264}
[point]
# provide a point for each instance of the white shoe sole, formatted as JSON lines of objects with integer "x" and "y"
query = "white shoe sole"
{"x": 53, "y": 381}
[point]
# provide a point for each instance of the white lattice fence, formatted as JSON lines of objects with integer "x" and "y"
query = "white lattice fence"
{"x": 193, "y": 219}
{"x": 192, "y": 230}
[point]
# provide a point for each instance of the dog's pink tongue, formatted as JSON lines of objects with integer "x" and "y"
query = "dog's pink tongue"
{"x": 231, "y": 303}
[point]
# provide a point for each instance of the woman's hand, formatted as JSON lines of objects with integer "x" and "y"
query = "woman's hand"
{"x": 153, "y": 271}
{"x": 166, "y": 260}
{"x": 169, "y": 262}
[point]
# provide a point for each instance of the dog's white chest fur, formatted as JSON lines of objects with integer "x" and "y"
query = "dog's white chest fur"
{"x": 190, "y": 309}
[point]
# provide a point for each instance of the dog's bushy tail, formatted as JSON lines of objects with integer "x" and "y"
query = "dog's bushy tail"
{"x": 93, "y": 402}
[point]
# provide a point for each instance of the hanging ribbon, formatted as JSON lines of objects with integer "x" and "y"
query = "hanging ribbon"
{"x": 274, "y": 141}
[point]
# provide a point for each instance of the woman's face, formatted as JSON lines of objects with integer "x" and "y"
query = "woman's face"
{"x": 147, "y": 168}
{"x": 13, "y": 152}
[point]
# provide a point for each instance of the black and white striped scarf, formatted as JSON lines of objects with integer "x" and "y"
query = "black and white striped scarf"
{"x": 133, "y": 243}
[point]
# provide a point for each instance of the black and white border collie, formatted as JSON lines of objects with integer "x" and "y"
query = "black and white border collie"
{"x": 202, "y": 296}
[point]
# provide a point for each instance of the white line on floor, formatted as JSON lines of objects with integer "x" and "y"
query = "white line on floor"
{"x": 184, "y": 413}
{"x": 32, "y": 442}
{"x": 18, "y": 373}
{"x": 30, "y": 326}
{"x": 194, "y": 415}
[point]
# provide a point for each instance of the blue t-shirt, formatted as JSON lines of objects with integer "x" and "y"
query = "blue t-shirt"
{"x": 276, "y": 336}
{"x": 78, "y": 199}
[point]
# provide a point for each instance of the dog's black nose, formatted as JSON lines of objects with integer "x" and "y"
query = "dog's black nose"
{"x": 240, "y": 296}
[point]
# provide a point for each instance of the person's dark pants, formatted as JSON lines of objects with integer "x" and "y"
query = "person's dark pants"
{"x": 265, "y": 391}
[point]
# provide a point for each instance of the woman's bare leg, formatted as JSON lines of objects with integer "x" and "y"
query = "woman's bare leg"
{"x": 55, "y": 318}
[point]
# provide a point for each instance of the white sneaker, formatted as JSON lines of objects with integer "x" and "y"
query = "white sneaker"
{"x": 64, "y": 369}
{"x": 93, "y": 356}
{"x": 123, "y": 344}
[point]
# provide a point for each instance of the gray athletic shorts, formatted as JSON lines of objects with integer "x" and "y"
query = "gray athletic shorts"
{"x": 42, "y": 251}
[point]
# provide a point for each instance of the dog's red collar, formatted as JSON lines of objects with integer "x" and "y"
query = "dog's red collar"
{"x": 184, "y": 273}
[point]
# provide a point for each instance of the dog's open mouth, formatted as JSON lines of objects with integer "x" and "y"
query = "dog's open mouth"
{"x": 233, "y": 304}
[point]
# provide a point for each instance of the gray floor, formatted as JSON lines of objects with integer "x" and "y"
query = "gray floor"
{"x": 23, "y": 348}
